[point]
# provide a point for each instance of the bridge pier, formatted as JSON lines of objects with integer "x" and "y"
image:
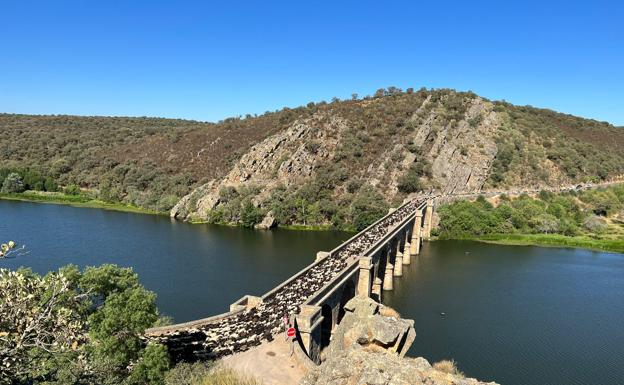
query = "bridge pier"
{"x": 398, "y": 262}
{"x": 416, "y": 233}
{"x": 376, "y": 290}
{"x": 388, "y": 277}
{"x": 365, "y": 279}
{"x": 309, "y": 322}
{"x": 407, "y": 255}
{"x": 428, "y": 219}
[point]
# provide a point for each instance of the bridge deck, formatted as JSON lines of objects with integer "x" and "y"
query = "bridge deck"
{"x": 240, "y": 330}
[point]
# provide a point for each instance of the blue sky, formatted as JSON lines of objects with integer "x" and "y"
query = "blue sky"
{"x": 207, "y": 61}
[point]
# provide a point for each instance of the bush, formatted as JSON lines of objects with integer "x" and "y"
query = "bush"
{"x": 410, "y": 182}
{"x": 448, "y": 366}
{"x": 13, "y": 183}
{"x": 72, "y": 189}
{"x": 250, "y": 214}
{"x": 151, "y": 367}
{"x": 367, "y": 207}
{"x": 595, "y": 224}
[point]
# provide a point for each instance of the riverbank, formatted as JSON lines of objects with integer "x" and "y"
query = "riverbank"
{"x": 552, "y": 240}
{"x": 75, "y": 201}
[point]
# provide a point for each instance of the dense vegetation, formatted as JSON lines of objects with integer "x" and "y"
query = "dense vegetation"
{"x": 77, "y": 327}
{"x": 151, "y": 162}
{"x": 593, "y": 216}
{"x": 541, "y": 145}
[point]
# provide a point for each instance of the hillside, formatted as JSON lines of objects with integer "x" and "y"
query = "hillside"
{"x": 339, "y": 164}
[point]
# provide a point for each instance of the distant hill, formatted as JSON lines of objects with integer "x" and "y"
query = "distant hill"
{"x": 335, "y": 163}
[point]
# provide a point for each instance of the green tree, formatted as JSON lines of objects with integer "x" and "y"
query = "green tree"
{"x": 368, "y": 206}
{"x": 13, "y": 183}
{"x": 151, "y": 367}
{"x": 250, "y": 214}
{"x": 50, "y": 184}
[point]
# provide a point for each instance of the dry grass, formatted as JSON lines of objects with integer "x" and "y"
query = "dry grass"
{"x": 387, "y": 311}
{"x": 226, "y": 376}
{"x": 448, "y": 366}
{"x": 206, "y": 374}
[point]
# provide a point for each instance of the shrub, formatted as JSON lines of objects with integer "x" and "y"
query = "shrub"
{"x": 72, "y": 189}
{"x": 367, "y": 207}
{"x": 448, "y": 366}
{"x": 595, "y": 224}
{"x": 151, "y": 367}
{"x": 250, "y": 214}
{"x": 410, "y": 181}
{"x": 13, "y": 183}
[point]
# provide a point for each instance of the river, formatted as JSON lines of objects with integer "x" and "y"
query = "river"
{"x": 515, "y": 315}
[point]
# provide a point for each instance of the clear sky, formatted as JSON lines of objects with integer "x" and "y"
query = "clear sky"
{"x": 210, "y": 60}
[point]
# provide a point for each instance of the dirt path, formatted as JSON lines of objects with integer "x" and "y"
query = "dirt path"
{"x": 271, "y": 363}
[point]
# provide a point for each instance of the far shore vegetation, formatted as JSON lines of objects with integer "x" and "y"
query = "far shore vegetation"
{"x": 592, "y": 219}
{"x": 81, "y": 200}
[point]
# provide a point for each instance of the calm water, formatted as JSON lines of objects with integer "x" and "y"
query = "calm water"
{"x": 196, "y": 270}
{"x": 516, "y": 315}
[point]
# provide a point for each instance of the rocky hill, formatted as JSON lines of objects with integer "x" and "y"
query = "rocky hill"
{"x": 336, "y": 164}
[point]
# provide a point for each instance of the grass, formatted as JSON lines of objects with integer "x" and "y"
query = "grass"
{"x": 200, "y": 373}
{"x": 448, "y": 366}
{"x": 75, "y": 200}
{"x": 226, "y": 376}
{"x": 555, "y": 240}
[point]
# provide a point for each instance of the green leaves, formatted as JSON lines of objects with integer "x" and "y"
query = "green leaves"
{"x": 68, "y": 326}
{"x": 40, "y": 320}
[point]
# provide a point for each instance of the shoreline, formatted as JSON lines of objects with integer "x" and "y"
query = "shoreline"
{"x": 550, "y": 240}
{"x": 541, "y": 240}
{"x": 77, "y": 201}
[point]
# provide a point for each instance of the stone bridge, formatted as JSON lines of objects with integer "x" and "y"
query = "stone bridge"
{"x": 364, "y": 265}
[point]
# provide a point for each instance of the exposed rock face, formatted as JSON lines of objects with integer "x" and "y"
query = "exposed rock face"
{"x": 280, "y": 159}
{"x": 368, "y": 348}
{"x": 462, "y": 154}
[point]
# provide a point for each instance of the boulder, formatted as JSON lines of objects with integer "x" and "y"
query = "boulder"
{"x": 268, "y": 222}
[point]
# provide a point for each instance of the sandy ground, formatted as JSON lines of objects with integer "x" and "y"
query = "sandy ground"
{"x": 270, "y": 363}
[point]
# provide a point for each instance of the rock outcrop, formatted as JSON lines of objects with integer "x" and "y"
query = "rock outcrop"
{"x": 368, "y": 348}
{"x": 459, "y": 153}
